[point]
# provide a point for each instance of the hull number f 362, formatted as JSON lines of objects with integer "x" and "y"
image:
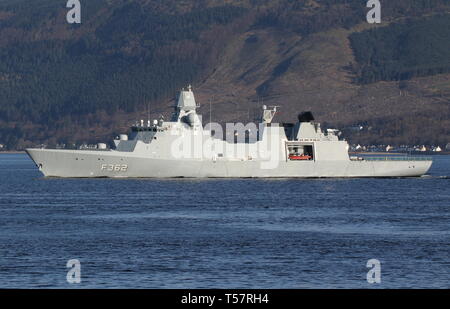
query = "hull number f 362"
{"x": 114, "y": 167}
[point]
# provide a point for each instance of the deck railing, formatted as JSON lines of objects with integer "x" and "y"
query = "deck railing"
{"x": 394, "y": 158}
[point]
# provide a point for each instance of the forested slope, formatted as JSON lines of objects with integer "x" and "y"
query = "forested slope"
{"x": 77, "y": 83}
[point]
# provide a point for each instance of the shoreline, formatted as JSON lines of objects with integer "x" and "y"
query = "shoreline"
{"x": 12, "y": 152}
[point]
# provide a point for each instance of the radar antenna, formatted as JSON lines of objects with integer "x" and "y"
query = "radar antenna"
{"x": 269, "y": 113}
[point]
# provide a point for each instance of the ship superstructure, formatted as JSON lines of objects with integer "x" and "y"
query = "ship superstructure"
{"x": 182, "y": 147}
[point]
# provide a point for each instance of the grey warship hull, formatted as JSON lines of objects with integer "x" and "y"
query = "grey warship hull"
{"x": 182, "y": 147}
{"x": 83, "y": 163}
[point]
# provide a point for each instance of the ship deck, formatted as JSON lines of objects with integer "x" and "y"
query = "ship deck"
{"x": 393, "y": 158}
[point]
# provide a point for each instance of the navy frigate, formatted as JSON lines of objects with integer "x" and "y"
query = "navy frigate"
{"x": 182, "y": 147}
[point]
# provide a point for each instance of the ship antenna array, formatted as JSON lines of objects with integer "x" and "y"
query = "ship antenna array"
{"x": 148, "y": 111}
{"x": 210, "y": 117}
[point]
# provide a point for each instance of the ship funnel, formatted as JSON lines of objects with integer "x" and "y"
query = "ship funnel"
{"x": 305, "y": 117}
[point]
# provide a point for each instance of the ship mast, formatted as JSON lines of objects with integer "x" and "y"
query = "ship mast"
{"x": 268, "y": 114}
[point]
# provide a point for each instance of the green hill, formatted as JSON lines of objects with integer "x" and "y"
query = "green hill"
{"x": 404, "y": 50}
{"x": 62, "y": 83}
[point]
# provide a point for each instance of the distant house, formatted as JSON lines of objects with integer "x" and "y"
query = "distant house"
{"x": 1, "y": 146}
{"x": 447, "y": 147}
{"x": 356, "y": 128}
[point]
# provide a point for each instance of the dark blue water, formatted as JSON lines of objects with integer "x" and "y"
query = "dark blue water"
{"x": 223, "y": 233}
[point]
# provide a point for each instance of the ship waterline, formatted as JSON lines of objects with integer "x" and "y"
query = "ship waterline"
{"x": 300, "y": 150}
{"x": 82, "y": 164}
